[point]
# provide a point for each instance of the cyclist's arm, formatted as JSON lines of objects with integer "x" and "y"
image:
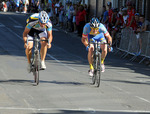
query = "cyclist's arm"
{"x": 26, "y": 31}
{"x": 85, "y": 36}
{"x": 107, "y": 35}
{"x": 84, "y": 41}
{"x": 50, "y": 36}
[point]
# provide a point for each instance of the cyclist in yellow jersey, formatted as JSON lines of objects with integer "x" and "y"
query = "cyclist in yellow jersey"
{"x": 38, "y": 23}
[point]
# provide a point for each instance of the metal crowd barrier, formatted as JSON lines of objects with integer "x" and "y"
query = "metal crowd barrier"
{"x": 129, "y": 44}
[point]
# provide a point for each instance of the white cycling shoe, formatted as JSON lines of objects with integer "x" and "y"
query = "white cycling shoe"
{"x": 91, "y": 72}
{"x": 43, "y": 66}
{"x": 103, "y": 68}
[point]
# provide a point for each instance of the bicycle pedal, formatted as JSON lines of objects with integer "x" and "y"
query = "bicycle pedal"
{"x": 42, "y": 68}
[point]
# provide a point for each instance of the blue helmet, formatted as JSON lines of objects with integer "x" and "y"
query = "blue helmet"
{"x": 94, "y": 23}
{"x": 43, "y": 17}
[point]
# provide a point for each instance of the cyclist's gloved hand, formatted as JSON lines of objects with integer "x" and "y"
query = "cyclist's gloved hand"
{"x": 110, "y": 49}
{"x": 110, "y": 43}
{"x": 87, "y": 48}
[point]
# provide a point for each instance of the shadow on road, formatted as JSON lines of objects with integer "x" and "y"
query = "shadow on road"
{"x": 92, "y": 112}
{"x": 29, "y": 82}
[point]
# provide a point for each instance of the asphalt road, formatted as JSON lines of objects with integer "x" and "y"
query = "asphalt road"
{"x": 65, "y": 86}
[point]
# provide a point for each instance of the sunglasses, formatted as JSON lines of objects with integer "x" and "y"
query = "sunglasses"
{"x": 94, "y": 28}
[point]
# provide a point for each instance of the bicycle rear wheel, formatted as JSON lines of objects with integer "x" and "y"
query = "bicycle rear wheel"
{"x": 98, "y": 73}
{"x": 36, "y": 68}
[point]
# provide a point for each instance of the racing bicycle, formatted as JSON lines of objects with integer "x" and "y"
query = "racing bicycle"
{"x": 35, "y": 60}
{"x": 97, "y": 63}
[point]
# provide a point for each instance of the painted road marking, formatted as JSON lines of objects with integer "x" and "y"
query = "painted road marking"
{"x": 18, "y": 26}
{"x": 83, "y": 73}
{"x": 1, "y": 25}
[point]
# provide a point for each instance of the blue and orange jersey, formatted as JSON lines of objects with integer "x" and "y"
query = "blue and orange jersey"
{"x": 87, "y": 30}
{"x": 88, "y": 34}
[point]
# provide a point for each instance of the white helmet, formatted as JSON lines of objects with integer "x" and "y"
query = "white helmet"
{"x": 43, "y": 17}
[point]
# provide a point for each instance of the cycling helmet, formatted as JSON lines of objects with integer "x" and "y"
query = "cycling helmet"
{"x": 43, "y": 17}
{"x": 94, "y": 23}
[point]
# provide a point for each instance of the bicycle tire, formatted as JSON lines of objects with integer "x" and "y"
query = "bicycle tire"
{"x": 94, "y": 75}
{"x": 36, "y": 68}
{"x": 98, "y": 73}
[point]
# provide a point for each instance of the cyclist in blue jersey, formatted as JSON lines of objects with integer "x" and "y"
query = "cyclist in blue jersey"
{"x": 38, "y": 23}
{"x": 95, "y": 30}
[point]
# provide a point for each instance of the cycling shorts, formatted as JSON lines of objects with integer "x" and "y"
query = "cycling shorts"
{"x": 42, "y": 34}
{"x": 100, "y": 38}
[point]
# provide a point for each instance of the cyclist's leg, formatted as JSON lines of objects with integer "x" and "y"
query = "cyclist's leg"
{"x": 90, "y": 56}
{"x": 90, "y": 52}
{"x": 104, "y": 52}
{"x": 43, "y": 50}
{"x": 100, "y": 37}
{"x": 29, "y": 49}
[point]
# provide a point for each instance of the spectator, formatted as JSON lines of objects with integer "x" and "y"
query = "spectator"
{"x": 53, "y": 10}
{"x": 50, "y": 4}
{"x": 114, "y": 17}
{"x": 144, "y": 27}
{"x": 77, "y": 18}
{"x": 137, "y": 31}
{"x": 50, "y": 9}
{"x": 125, "y": 17}
{"x": 42, "y": 5}
{"x": 74, "y": 18}
{"x": 110, "y": 12}
{"x": 61, "y": 14}
{"x": 17, "y": 6}
{"x": 8, "y": 5}
{"x": 4, "y": 5}
{"x": 57, "y": 6}
{"x": 105, "y": 16}
{"x": 34, "y": 6}
{"x": 82, "y": 19}
{"x": 117, "y": 26}
{"x": 145, "y": 24}
{"x": 70, "y": 17}
{"x": 131, "y": 13}
{"x": 25, "y": 3}
{"x": 87, "y": 12}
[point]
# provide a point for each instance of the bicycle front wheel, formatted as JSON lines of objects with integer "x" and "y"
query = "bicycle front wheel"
{"x": 95, "y": 70}
{"x": 98, "y": 73}
{"x": 37, "y": 68}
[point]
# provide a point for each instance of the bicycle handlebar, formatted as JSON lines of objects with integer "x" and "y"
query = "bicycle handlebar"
{"x": 38, "y": 40}
{"x": 98, "y": 42}
{"x": 93, "y": 42}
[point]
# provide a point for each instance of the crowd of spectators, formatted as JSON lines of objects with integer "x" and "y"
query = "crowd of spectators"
{"x": 115, "y": 20}
{"x": 71, "y": 17}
